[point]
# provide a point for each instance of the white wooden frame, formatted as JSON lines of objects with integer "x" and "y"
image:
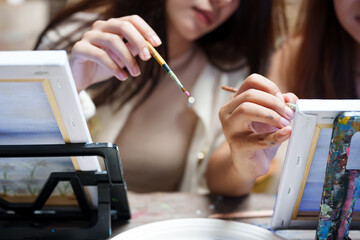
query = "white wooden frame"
{"x": 52, "y": 70}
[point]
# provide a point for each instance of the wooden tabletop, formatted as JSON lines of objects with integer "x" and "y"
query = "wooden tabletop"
{"x": 254, "y": 209}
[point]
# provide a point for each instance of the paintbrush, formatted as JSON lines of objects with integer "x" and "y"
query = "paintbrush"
{"x": 243, "y": 214}
{"x": 292, "y": 106}
{"x": 162, "y": 62}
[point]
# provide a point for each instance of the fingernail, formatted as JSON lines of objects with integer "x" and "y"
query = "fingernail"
{"x": 135, "y": 71}
{"x": 122, "y": 76}
{"x": 289, "y": 113}
{"x": 286, "y": 98}
{"x": 146, "y": 53}
{"x": 282, "y": 132}
{"x": 284, "y": 122}
{"x": 155, "y": 40}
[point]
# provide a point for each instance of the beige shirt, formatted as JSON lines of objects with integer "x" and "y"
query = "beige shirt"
{"x": 156, "y": 136}
{"x": 207, "y": 135}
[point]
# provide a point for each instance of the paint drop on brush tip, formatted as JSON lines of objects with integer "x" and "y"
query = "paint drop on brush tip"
{"x": 191, "y": 101}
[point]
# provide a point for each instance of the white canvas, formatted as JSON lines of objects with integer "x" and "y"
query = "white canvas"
{"x": 39, "y": 105}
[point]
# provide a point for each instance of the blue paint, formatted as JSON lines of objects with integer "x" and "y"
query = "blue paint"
{"x": 341, "y": 186}
{"x": 166, "y": 67}
{"x": 324, "y": 230}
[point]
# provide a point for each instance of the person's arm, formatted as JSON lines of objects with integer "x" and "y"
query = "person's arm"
{"x": 255, "y": 121}
{"x": 282, "y": 64}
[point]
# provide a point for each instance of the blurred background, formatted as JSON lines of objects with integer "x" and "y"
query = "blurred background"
{"x": 21, "y": 21}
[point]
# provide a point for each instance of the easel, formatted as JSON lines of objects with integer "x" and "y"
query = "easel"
{"x": 341, "y": 186}
{"x": 36, "y": 221}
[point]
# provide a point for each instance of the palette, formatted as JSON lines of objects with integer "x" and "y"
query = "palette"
{"x": 197, "y": 229}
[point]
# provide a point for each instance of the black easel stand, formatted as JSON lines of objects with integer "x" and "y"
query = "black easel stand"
{"x": 36, "y": 221}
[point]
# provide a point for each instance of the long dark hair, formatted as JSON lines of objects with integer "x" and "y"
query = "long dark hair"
{"x": 323, "y": 66}
{"x": 247, "y": 38}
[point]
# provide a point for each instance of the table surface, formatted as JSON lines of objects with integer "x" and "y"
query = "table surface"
{"x": 153, "y": 207}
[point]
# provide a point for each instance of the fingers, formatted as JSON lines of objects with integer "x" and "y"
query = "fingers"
{"x": 257, "y": 115}
{"x": 116, "y": 48}
{"x": 135, "y": 30}
{"x": 290, "y": 98}
{"x": 245, "y": 114}
{"x": 256, "y": 120}
{"x": 113, "y": 45}
{"x": 256, "y": 81}
{"x": 84, "y": 51}
{"x": 144, "y": 29}
{"x": 267, "y": 140}
{"x": 260, "y": 90}
{"x": 254, "y": 142}
{"x": 264, "y": 99}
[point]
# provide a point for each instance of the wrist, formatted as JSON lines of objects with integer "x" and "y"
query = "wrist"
{"x": 250, "y": 164}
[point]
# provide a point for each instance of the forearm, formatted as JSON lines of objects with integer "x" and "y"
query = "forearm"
{"x": 226, "y": 178}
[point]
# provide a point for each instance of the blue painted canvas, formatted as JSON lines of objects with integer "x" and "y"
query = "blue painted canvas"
{"x": 313, "y": 189}
{"x": 26, "y": 117}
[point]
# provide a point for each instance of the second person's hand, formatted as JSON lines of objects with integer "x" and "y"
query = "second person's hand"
{"x": 255, "y": 121}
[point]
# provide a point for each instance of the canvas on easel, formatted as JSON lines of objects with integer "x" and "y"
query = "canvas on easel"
{"x": 39, "y": 105}
{"x": 302, "y": 181}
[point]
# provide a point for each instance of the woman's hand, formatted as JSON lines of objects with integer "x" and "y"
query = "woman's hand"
{"x": 255, "y": 121}
{"x": 109, "y": 47}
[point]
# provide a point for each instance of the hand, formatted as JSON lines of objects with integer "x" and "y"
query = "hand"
{"x": 108, "y": 47}
{"x": 255, "y": 121}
